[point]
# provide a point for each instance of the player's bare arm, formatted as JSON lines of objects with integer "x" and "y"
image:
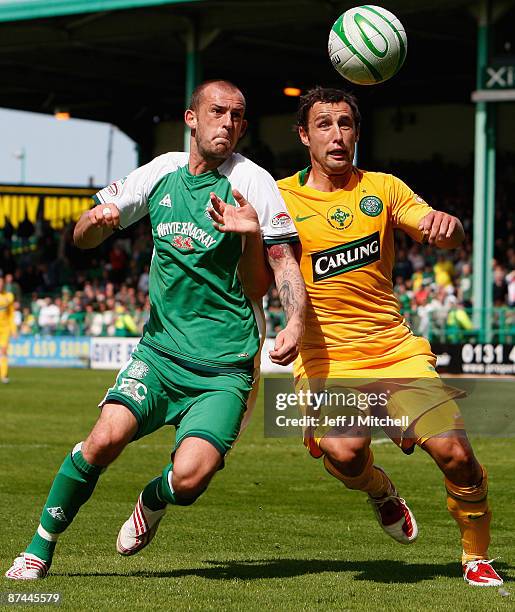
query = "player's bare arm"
{"x": 96, "y": 225}
{"x": 254, "y": 274}
{"x": 292, "y": 293}
{"x": 442, "y": 230}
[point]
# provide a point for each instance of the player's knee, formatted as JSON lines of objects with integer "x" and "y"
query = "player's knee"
{"x": 457, "y": 460}
{"x": 187, "y": 488}
{"x": 102, "y": 447}
{"x": 347, "y": 451}
{"x": 463, "y": 463}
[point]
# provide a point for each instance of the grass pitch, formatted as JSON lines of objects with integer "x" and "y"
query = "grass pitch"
{"x": 273, "y": 530}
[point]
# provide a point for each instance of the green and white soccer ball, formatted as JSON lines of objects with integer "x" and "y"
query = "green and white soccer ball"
{"x": 367, "y": 45}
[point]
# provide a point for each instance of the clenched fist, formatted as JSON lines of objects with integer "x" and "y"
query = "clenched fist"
{"x": 105, "y": 215}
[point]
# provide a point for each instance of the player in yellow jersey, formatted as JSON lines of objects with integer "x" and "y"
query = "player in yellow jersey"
{"x": 345, "y": 218}
{"x": 7, "y": 328}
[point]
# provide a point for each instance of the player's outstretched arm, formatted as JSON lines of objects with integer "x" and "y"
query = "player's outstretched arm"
{"x": 292, "y": 293}
{"x": 442, "y": 230}
{"x": 95, "y": 225}
{"x": 254, "y": 274}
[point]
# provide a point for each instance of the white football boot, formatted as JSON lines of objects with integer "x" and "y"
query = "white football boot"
{"x": 27, "y": 567}
{"x": 139, "y": 529}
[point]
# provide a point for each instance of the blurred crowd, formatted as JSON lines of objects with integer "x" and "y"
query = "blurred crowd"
{"x": 436, "y": 288}
{"x": 94, "y": 310}
{"x": 60, "y": 289}
{"x": 436, "y": 295}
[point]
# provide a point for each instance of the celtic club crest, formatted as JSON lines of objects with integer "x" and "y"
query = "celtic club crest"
{"x": 371, "y": 206}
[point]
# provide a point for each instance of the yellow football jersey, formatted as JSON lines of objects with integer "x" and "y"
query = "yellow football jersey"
{"x": 6, "y": 311}
{"x": 347, "y": 259}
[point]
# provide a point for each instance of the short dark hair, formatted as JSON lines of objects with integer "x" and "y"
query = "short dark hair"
{"x": 196, "y": 96}
{"x": 326, "y": 95}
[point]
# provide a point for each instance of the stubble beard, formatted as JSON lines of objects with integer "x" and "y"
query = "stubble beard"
{"x": 210, "y": 154}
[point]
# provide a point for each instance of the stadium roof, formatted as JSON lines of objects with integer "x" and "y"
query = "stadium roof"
{"x": 13, "y": 10}
{"x": 123, "y": 61}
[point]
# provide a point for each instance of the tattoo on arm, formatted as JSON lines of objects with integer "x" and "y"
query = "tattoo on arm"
{"x": 287, "y": 298}
{"x": 288, "y": 280}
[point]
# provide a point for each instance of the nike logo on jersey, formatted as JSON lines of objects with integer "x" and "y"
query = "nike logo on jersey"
{"x": 345, "y": 257}
{"x": 300, "y": 219}
{"x": 166, "y": 201}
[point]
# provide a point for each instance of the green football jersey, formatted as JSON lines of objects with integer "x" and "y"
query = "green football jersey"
{"x": 199, "y": 313}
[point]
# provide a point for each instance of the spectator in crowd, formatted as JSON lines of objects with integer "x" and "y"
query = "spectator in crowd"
{"x": 143, "y": 280}
{"x": 462, "y": 261}
{"x": 404, "y": 298}
{"x": 510, "y": 280}
{"x": 93, "y": 319}
{"x": 423, "y": 277}
{"x": 444, "y": 271}
{"x": 49, "y": 316}
{"x": 459, "y": 324}
{"x": 403, "y": 266}
{"x": 500, "y": 286}
{"x": 416, "y": 257}
{"x": 465, "y": 285}
{"x": 118, "y": 262}
{"x": 13, "y": 287}
{"x": 124, "y": 325}
{"x": 423, "y": 292}
{"x": 29, "y": 324}
{"x": 18, "y": 316}
{"x": 73, "y": 318}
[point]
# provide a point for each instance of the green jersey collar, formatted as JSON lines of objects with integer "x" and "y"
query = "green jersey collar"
{"x": 303, "y": 176}
{"x": 211, "y": 177}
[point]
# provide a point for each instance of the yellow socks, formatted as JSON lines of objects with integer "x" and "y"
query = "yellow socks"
{"x": 371, "y": 480}
{"x": 469, "y": 508}
{"x": 3, "y": 367}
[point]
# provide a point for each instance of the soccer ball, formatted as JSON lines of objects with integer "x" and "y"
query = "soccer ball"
{"x": 367, "y": 45}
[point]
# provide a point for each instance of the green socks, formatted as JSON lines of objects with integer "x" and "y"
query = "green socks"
{"x": 151, "y": 495}
{"x": 72, "y": 487}
{"x": 158, "y": 493}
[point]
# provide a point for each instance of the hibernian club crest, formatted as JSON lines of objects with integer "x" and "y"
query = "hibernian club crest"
{"x": 137, "y": 369}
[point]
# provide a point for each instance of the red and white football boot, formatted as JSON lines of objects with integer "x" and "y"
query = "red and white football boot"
{"x": 394, "y": 516}
{"x": 27, "y": 567}
{"x": 139, "y": 529}
{"x": 481, "y": 573}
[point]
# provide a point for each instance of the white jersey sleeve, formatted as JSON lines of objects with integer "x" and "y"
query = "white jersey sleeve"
{"x": 130, "y": 195}
{"x": 259, "y": 188}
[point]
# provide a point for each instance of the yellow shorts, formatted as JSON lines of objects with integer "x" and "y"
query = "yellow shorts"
{"x": 417, "y": 404}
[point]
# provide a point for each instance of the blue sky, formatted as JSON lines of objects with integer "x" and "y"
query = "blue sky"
{"x": 61, "y": 152}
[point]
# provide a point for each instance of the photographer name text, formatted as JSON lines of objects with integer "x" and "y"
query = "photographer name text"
{"x": 342, "y": 421}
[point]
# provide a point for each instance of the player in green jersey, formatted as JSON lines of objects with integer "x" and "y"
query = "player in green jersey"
{"x": 215, "y": 217}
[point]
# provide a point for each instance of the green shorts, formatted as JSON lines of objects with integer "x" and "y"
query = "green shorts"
{"x": 158, "y": 391}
